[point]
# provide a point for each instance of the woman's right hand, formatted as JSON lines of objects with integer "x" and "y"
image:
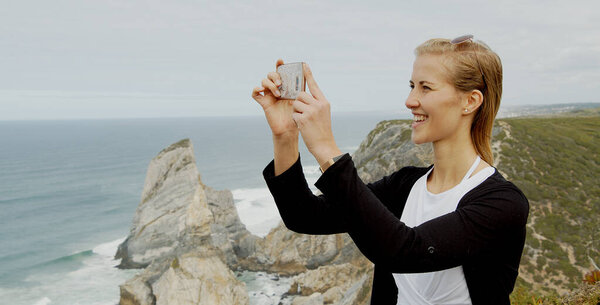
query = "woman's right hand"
{"x": 278, "y": 111}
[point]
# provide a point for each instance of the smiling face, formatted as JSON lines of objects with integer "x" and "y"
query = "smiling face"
{"x": 437, "y": 106}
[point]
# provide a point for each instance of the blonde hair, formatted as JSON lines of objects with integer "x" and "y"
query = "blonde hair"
{"x": 465, "y": 63}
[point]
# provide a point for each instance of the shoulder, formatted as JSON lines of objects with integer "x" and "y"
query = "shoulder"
{"x": 501, "y": 198}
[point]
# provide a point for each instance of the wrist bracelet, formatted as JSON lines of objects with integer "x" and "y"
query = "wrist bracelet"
{"x": 323, "y": 167}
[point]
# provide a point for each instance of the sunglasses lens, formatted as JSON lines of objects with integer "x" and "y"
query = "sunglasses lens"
{"x": 461, "y": 39}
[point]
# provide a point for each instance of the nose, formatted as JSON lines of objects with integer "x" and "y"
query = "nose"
{"x": 412, "y": 101}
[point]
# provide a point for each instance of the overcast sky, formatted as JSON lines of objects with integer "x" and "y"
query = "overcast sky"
{"x": 101, "y": 59}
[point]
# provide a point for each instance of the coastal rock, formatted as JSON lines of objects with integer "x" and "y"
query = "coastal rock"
{"x": 288, "y": 253}
{"x": 360, "y": 291}
{"x": 138, "y": 290}
{"x": 228, "y": 233}
{"x": 314, "y": 299}
{"x": 173, "y": 209}
{"x": 195, "y": 280}
{"x": 393, "y": 137}
{"x": 347, "y": 283}
{"x": 324, "y": 278}
{"x": 182, "y": 234}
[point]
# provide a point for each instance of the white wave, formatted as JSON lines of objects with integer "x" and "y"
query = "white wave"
{"x": 95, "y": 282}
{"x": 109, "y": 248}
{"x": 257, "y": 210}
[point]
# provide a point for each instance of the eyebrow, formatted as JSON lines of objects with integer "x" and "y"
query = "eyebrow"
{"x": 422, "y": 82}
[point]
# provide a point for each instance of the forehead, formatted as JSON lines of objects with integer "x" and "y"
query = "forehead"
{"x": 430, "y": 68}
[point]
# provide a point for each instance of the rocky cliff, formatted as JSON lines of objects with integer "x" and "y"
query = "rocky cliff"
{"x": 174, "y": 236}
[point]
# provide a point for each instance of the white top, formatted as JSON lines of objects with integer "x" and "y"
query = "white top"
{"x": 439, "y": 287}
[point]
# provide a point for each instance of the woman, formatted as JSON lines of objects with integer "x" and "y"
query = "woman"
{"x": 451, "y": 233}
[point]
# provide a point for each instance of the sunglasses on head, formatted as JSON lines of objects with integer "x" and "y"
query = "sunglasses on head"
{"x": 469, "y": 38}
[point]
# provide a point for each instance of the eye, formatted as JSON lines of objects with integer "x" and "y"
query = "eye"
{"x": 411, "y": 86}
{"x": 426, "y": 88}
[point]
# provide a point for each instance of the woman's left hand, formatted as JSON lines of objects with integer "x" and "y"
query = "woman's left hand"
{"x": 312, "y": 114}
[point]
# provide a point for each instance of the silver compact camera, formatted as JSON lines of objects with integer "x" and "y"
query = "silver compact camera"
{"x": 292, "y": 80}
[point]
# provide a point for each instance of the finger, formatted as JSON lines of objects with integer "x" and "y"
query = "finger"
{"x": 275, "y": 78}
{"x": 300, "y": 107}
{"x": 267, "y": 83}
{"x": 312, "y": 84}
{"x": 278, "y": 63}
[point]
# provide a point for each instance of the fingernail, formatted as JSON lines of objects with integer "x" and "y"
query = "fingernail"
{"x": 277, "y": 93}
{"x": 278, "y": 82}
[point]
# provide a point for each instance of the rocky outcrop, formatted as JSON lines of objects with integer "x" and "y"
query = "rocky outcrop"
{"x": 194, "y": 280}
{"x": 228, "y": 233}
{"x": 183, "y": 235}
{"x": 173, "y": 214}
{"x": 392, "y": 137}
{"x": 333, "y": 284}
{"x": 288, "y": 253}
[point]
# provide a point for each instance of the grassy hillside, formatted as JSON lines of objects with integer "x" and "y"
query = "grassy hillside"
{"x": 556, "y": 162}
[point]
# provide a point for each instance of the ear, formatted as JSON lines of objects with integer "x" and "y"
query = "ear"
{"x": 472, "y": 102}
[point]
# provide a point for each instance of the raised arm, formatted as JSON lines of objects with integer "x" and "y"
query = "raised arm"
{"x": 278, "y": 113}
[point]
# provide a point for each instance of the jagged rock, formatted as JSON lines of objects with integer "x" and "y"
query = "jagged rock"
{"x": 393, "y": 137}
{"x": 173, "y": 209}
{"x": 359, "y": 293}
{"x": 138, "y": 290}
{"x": 227, "y": 231}
{"x": 324, "y": 278}
{"x": 195, "y": 280}
{"x": 178, "y": 240}
{"x": 285, "y": 252}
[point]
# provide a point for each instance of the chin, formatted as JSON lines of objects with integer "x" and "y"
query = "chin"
{"x": 417, "y": 140}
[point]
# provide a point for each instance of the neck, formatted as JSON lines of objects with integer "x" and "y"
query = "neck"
{"x": 452, "y": 160}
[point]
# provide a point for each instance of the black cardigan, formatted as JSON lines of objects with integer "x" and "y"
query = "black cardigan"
{"x": 485, "y": 234}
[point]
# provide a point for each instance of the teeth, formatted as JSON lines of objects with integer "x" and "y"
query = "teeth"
{"x": 419, "y": 118}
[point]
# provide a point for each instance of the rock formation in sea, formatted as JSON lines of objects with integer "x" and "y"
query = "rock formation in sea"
{"x": 188, "y": 239}
{"x": 175, "y": 239}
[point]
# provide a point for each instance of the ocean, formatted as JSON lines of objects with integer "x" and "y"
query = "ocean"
{"x": 69, "y": 190}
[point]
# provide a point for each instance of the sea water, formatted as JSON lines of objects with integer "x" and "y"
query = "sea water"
{"x": 69, "y": 190}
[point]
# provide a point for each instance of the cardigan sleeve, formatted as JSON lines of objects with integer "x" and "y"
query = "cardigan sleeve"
{"x": 304, "y": 212}
{"x": 300, "y": 210}
{"x": 486, "y": 223}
